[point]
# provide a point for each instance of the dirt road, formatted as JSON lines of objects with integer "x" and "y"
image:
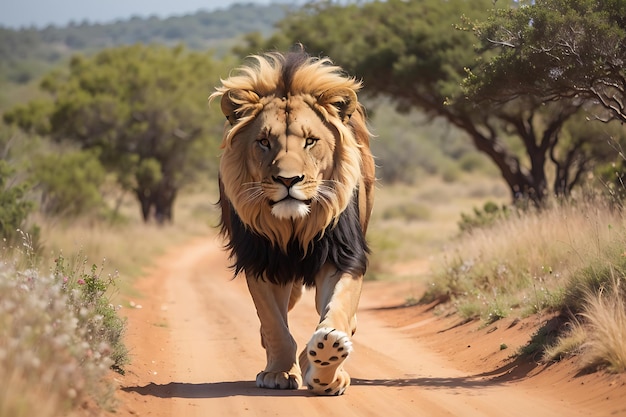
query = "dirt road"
{"x": 194, "y": 340}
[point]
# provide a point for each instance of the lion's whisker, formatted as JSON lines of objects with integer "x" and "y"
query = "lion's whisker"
{"x": 251, "y": 193}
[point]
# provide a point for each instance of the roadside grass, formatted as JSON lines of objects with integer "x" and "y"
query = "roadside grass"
{"x": 417, "y": 221}
{"x": 60, "y": 328}
{"x": 59, "y": 336}
{"x": 605, "y": 315}
{"x": 568, "y": 259}
{"x": 127, "y": 244}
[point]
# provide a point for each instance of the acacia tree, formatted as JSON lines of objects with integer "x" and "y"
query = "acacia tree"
{"x": 417, "y": 53}
{"x": 143, "y": 108}
{"x": 555, "y": 50}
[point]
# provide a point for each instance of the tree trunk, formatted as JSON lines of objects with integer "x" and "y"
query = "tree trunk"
{"x": 164, "y": 202}
{"x": 523, "y": 185}
{"x": 145, "y": 201}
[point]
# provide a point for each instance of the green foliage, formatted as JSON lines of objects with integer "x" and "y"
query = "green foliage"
{"x": 594, "y": 278}
{"x": 14, "y": 206}
{"x": 417, "y": 53}
{"x": 32, "y": 117}
{"x": 485, "y": 217}
{"x": 407, "y": 146}
{"x": 143, "y": 110}
{"x": 69, "y": 182}
{"x": 408, "y": 50}
{"x": 89, "y": 295}
{"x": 555, "y": 49}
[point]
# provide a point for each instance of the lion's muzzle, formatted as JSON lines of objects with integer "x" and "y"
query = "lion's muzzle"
{"x": 289, "y": 201}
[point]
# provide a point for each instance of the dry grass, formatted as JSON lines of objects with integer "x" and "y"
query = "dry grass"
{"x": 129, "y": 246}
{"x": 569, "y": 258}
{"x": 50, "y": 361}
{"x": 605, "y": 321}
{"x": 417, "y": 222}
{"x": 54, "y": 347}
{"x": 532, "y": 256}
{"x": 598, "y": 334}
{"x": 20, "y": 397}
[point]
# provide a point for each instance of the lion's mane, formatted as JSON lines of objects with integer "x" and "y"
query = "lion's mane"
{"x": 281, "y": 250}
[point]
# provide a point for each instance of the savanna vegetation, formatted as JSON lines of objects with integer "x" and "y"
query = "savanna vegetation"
{"x": 27, "y": 53}
{"x": 499, "y": 143}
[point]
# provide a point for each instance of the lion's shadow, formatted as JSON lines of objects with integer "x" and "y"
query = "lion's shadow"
{"x": 209, "y": 390}
{"x": 249, "y": 389}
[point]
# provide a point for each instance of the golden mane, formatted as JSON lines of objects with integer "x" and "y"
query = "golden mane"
{"x": 317, "y": 81}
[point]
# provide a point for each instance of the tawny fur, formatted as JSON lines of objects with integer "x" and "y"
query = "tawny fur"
{"x": 251, "y": 90}
{"x": 296, "y": 190}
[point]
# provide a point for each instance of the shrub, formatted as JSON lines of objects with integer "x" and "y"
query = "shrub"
{"x": 14, "y": 207}
{"x": 59, "y": 335}
{"x": 69, "y": 182}
{"x": 488, "y": 215}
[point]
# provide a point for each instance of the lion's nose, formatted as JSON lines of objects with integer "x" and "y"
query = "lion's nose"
{"x": 288, "y": 182}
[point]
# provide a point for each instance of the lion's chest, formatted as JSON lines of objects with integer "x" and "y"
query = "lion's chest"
{"x": 342, "y": 245}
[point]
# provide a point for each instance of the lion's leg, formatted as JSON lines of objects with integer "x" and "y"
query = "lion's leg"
{"x": 322, "y": 360}
{"x": 272, "y": 302}
{"x": 296, "y": 294}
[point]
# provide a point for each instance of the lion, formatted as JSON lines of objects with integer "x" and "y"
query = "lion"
{"x": 296, "y": 181}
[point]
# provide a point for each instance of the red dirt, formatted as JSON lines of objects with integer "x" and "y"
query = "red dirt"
{"x": 195, "y": 350}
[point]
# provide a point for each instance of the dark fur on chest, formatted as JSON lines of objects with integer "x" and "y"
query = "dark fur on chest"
{"x": 344, "y": 246}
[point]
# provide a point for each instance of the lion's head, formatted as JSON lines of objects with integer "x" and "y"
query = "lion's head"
{"x": 293, "y": 145}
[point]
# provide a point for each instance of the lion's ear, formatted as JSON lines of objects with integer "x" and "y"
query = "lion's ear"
{"x": 234, "y": 103}
{"x": 343, "y": 99}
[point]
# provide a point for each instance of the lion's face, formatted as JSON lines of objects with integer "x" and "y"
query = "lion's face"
{"x": 289, "y": 159}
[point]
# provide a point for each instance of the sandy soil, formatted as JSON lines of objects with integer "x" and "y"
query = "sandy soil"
{"x": 195, "y": 348}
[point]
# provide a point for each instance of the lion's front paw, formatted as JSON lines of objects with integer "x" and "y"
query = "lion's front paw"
{"x": 278, "y": 380}
{"x": 326, "y": 352}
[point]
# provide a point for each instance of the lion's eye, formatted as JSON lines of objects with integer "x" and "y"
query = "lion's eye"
{"x": 264, "y": 143}
{"x": 310, "y": 142}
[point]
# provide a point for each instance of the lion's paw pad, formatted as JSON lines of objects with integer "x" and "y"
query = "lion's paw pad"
{"x": 337, "y": 387}
{"x": 328, "y": 347}
{"x": 326, "y": 351}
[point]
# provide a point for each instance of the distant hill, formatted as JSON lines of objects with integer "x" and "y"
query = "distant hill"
{"x": 26, "y": 53}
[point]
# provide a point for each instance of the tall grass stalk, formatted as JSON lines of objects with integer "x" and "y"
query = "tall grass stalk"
{"x": 605, "y": 314}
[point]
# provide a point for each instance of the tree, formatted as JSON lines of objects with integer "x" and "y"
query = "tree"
{"x": 418, "y": 53}
{"x": 144, "y": 109}
{"x": 555, "y": 50}
{"x": 69, "y": 182}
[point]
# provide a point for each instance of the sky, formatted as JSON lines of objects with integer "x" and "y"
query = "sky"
{"x": 40, "y": 13}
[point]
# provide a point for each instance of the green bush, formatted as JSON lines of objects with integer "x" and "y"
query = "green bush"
{"x": 89, "y": 289}
{"x": 14, "y": 207}
{"x": 69, "y": 182}
{"x": 485, "y": 217}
